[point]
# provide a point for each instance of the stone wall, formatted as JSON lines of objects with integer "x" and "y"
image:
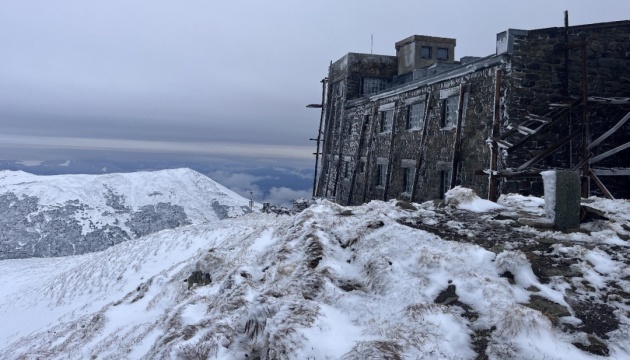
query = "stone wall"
{"x": 538, "y": 78}
{"x": 345, "y": 83}
{"x": 533, "y": 78}
{"x": 376, "y": 147}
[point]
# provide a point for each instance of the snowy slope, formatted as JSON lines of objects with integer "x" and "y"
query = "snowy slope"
{"x": 328, "y": 283}
{"x": 61, "y": 215}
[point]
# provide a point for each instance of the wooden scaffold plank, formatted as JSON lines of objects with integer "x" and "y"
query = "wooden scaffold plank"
{"x": 608, "y": 153}
{"x": 609, "y": 132}
{"x": 496, "y": 143}
{"x": 600, "y": 185}
{"x": 550, "y": 150}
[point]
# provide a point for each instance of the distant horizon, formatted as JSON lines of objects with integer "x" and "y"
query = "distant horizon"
{"x": 269, "y": 182}
{"x": 215, "y": 80}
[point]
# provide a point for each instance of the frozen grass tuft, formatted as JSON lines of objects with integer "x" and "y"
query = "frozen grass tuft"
{"x": 520, "y": 319}
{"x": 198, "y": 351}
{"x": 375, "y": 350}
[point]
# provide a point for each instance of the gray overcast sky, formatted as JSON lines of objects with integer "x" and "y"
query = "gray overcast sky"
{"x": 175, "y": 75}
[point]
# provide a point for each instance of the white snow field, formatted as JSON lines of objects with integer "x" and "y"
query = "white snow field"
{"x": 46, "y": 216}
{"x": 184, "y": 187}
{"x": 322, "y": 284}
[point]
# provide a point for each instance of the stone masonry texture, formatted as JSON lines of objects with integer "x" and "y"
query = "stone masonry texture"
{"x": 534, "y": 76}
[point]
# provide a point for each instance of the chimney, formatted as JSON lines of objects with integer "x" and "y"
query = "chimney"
{"x": 420, "y": 51}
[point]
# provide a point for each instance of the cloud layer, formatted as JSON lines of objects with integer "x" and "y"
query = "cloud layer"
{"x": 218, "y": 72}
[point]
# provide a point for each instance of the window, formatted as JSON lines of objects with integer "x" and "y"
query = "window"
{"x": 381, "y": 175}
{"x": 465, "y": 105}
{"x": 373, "y": 85}
{"x": 449, "y": 111}
{"x": 387, "y": 120}
{"x": 442, "y": 54}
{"x": 445, "y": 182}
{"x": 362, "y": 166}
{"x": 408, "y": 179}
{"x": 425, "y": 52}
{"x": 338, "y": 88}
{"x": 415, "y": 114}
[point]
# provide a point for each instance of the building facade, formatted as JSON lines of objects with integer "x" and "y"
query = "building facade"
{"x": 414, "y": 125}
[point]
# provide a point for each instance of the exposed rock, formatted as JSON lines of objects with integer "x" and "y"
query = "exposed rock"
{"x": 300, "y": 204}
{"x": 375, "y": 224}
{"x": 153, "y": 218}
{"x": 539, "y": 223}
{"x": 480, "y": 339}
{"x": 350, "y": 286}
{"x": 591, "y": 213}
{"x": 498, "y": 248}
{"x": 447, "y": 296}
{"x": 546, "y": 263}
{"x": 508, "y": 275}
{"x": 501, "y": 217}
{"x": 595, "y": 346}
{"x": 598, "y": 319}
{"x": 405, "y": 205}
{"x": 549, "y": 308}
{"x": 116, "y": 201}
{"x": 198, "y": 278}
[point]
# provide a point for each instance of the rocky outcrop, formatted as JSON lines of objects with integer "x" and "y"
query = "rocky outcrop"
{"x": 556, "y": 259}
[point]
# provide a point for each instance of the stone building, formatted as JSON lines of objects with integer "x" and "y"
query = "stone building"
{"x": 414, "y": 125}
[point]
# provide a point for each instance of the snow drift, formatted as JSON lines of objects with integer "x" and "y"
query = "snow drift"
{"x": 329, "y": 283}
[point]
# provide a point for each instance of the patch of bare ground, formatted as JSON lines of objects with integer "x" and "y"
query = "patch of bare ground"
{"x": 498, "y": 231}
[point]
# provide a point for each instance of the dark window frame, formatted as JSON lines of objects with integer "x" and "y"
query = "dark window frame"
{"x": 439, "y": 54}
{"x": 420, "y": 116}
{"x": 387, "y": 123}
{"x": 428, "y": 49}
{"x": 408, "y": 176}
{"x": 372, "y": 85}
{"x": 445, "y": 182}
{"x": 449, "y": 111}
{"x": 381, "y": 175}
{"x": 361, "y": 167}
{"x": 338, "y": 88}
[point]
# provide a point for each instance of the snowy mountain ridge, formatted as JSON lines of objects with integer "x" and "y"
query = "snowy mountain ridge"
{"x": 73, "y": 214}
{"x": 378, "y": 281}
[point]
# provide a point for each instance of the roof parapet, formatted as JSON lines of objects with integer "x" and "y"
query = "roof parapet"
{"x": 505, "y": 40}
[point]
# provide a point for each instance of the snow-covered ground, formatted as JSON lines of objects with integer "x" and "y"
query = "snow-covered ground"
{"x": 61, "y": 215}
{"x": 328, "y": 283}
{"x": 184, "y": 187}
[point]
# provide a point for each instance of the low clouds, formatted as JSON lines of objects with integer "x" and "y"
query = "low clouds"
{"x": 243, "y": 183}
{"x": 202, "y": 148}
{"x": 283, "y": 196}
{"x": 240, "y": 183}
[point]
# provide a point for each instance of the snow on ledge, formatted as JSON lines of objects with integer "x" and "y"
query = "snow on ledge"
{"x": 466, "y": 199}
